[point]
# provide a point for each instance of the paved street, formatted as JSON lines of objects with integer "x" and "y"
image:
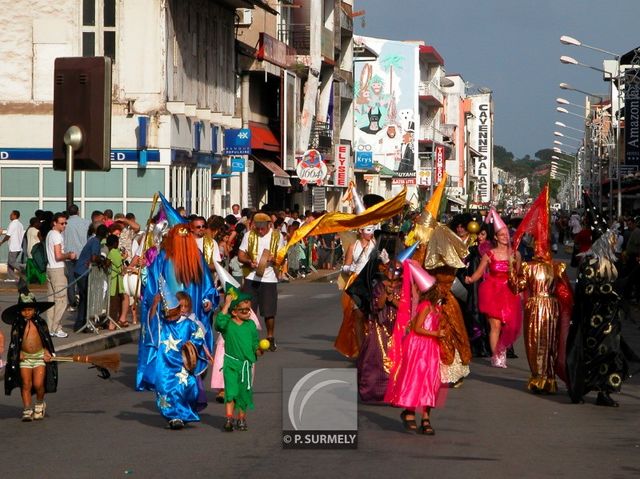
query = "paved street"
{"x": 491, "y": 427}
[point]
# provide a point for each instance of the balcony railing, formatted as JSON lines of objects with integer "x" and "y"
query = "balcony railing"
{"x": 298, "y": 36}
{"x": 428, "y": 88}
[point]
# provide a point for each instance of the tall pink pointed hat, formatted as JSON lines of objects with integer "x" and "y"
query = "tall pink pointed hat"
{"x": 423, "y": 280}
{"x": 494, "y": 217}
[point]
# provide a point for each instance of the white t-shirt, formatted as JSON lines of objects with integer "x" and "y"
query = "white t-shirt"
{"x": 16, "y": 232}
{"x": 32, "y": 238}
{"x": 263, "y": 243}
{"x": 53, "y": 238}
{"x": 217, "y": 257}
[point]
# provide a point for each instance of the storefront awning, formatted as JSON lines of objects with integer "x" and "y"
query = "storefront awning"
{"x": 280, "y": 177}
{"x": 457, "y": 201}
{"x": 262, "y": 138}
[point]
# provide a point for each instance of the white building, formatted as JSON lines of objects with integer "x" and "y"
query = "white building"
{"x": 172, "y": 70}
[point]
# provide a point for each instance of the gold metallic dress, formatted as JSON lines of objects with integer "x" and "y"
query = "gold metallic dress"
{"x": 541, "y": 326}
{"x": 455, "y": 351}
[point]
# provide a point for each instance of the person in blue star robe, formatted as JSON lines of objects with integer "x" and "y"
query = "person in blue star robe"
{"x": 204, "y": 297}
{"x": 178, "y": 386}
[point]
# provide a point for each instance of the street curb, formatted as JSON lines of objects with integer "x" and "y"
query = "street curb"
{"x": 97, "y": 342}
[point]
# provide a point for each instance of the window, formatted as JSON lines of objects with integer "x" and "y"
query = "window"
{"x": 99, "y": 28}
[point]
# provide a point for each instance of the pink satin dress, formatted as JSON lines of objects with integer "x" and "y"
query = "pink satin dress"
{"x": 417, "y": 382}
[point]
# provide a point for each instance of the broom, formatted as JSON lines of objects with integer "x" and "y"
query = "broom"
{"x": 103, "y": 363}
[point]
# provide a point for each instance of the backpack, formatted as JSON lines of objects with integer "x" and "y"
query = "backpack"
{"x": 39, "y": 256}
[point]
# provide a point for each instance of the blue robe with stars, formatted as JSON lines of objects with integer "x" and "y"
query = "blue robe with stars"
{"x": 150, "y": 325}
{"x": 177, "y": 388}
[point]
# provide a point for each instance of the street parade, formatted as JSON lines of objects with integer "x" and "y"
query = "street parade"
{"x": 320, "y": 238}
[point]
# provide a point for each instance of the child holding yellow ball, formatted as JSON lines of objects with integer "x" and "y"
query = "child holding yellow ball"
{"x": 241, "y": 348}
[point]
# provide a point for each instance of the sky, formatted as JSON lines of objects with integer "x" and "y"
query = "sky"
{"x": 513, "y": 47}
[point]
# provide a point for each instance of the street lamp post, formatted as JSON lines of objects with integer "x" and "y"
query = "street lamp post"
{"x": 568, "y": 40}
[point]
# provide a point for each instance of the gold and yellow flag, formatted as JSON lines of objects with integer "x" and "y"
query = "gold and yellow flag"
{"x": 336, "y": 222}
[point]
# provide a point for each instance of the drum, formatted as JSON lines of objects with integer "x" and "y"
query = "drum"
{"x": 132, "y": 285}
{"x": 189, "y": 356}
{"x": 264, "y": 262}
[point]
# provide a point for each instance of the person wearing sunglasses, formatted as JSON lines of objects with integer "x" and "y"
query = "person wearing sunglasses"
{"x": 56, "y": 279}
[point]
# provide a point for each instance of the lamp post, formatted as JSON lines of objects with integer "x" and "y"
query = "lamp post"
{"x": 567, "y": 112}
{"x": 560, "y": 124}
{"x": 562, "y": 101}
{"x": 568, "y": 40}
{"x": 572, "y": 61}
{"x": 562, "y": 135}
{"x": 567, "y": 86}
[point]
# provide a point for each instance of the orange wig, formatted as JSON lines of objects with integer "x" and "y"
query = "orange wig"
{"x": 181, "y": 248}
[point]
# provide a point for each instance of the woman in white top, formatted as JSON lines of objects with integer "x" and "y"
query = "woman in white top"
{"x": 351, "y": 331}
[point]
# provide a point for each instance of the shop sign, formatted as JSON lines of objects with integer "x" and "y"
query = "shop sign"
{"x": 311, "y": 168}
{"x": 237, "y": 142}
{"x": 342, "y": 173}
{"x": 237, "y": 165}
{"x": 364, "y": 160}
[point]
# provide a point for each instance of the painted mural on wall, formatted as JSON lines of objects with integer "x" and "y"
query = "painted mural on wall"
{"x": 386, "y": 105}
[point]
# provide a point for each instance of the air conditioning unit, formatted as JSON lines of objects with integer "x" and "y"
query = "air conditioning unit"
{"x": 244, "y": 17}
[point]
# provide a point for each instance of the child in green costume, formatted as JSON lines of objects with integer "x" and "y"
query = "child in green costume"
{"x": 241, "y": 347}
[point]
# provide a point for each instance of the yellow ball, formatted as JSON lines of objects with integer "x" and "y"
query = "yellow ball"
{"x": 473, "y": 227}
{"x": 264, "y": 344}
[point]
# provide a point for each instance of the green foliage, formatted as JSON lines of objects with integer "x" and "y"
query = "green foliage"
{"x": 533, "y": 168}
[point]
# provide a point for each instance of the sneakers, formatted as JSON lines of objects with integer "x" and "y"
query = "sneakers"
{"x": 27, "y": 415}
{"x": 59, "y": 334}
{"x": 241, "y": 424}
{"x": 38, "y": 411}
{"x": 272, "y": 344}
{"x": 228, "y": 425}
{"x": 176, "y": 424}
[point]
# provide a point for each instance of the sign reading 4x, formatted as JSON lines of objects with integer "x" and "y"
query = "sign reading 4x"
{"x": 237, "y": 142}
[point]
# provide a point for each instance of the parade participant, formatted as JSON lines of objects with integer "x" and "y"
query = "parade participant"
{"x": 496, "y": 300}
{"x": 183, "y": 268}
{"x": 206, "y": 243}
{"x": 182, "y": 357}
{"x": 29, "y": 364}
{"x": 469, "y": 231}
{"x": 547, "y": 309}
{"x": 350, "y": 334}
{"x": 441, "y": 256}
{"x": 415, "y": 381}
{"x": 257, "y": 252}
{"x": 56, "y": 279}
{"x": 241, "y": 347}
{"x": 372, "y": 363}
{"x": 595, "y": 347}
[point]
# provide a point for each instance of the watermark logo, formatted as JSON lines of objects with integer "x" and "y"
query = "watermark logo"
{"x": 319, "y": 408}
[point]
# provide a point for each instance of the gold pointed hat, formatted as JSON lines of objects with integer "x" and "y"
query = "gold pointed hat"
{"x": 429, "y": 217}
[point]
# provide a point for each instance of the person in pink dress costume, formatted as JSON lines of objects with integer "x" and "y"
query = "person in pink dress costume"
{"x": 415, "y": 380}
{"x": 502, "y": 307}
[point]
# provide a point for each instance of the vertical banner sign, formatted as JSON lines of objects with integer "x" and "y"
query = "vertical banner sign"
{"x": 439, "y": 163}
{"x": 632, "y": 118}
{"x": 342, "y": 163}
{"x": 481, "y": 139}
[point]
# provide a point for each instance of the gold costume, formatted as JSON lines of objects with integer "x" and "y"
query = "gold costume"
{"x": 455, "y": 351}
{"x": 541, "y": 326}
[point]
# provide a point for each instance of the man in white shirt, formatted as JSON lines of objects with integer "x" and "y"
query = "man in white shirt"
{"x": 56, "y": 279}
{"x": 14, "y": 235}
{"x": 262, "y": 240}
{"x": 206, "y": 244}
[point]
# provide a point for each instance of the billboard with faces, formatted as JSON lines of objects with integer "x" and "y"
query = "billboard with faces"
{"x": 386, "y": 104}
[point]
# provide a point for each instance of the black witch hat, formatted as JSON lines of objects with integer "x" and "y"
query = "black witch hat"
{"x": 594, "y": 217}
{"x": 26, "y": 299}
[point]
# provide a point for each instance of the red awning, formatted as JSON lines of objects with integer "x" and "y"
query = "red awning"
{"x": 262, "y": 138}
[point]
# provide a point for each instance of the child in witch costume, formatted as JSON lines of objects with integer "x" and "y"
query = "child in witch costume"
{"x": 241, "y": 347}
{"x": 181, "y": 358}
{"x": 29, "y": 364}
